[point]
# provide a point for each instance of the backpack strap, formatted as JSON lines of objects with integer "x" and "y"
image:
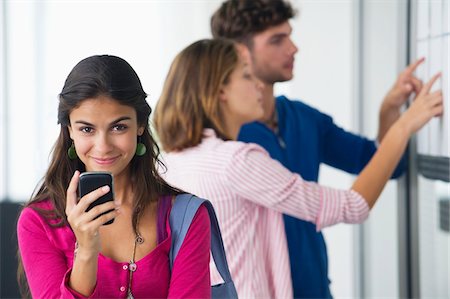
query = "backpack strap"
{"x": 181, "y": 216}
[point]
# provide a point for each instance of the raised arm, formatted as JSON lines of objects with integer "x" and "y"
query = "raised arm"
{"x": 83, "y": 277}
{"x": 258, "y": 178}
{"x": 255, "y": 176}
{"x": 374, "y": 176}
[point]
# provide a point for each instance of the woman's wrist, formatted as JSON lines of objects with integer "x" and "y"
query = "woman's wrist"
{"x": 403, "y": 126}
{"x": 84, "y": 254}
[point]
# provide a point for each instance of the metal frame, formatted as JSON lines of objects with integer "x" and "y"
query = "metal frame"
{"x": 408, "y": 225}
{"x": 358, "y": 48}
{"x": 407, "y": 211}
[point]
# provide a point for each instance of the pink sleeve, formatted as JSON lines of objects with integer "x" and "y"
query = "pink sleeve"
{"x": 255, "y": 176}
{"x": 43, "y": 262}
{"x": 190, "y": 273}
{"x": 68, "y": 292}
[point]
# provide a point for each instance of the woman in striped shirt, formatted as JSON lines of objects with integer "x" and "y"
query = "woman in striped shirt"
{"x": 209, "y": 93}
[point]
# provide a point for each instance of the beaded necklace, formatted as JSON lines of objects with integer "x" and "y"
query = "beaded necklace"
{"x": 132, "y": 265}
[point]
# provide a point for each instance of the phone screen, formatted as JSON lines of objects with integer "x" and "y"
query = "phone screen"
{"x": 90, "y": 181}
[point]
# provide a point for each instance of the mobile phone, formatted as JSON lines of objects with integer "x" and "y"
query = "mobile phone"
{"x": 92, "y": 180}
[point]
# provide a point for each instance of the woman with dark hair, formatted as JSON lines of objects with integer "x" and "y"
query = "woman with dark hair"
{"x": 66, "y": 251}
{"x": 209, "y": 93}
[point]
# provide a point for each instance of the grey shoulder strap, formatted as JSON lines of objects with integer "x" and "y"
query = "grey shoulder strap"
{"x": 181, "y": 216}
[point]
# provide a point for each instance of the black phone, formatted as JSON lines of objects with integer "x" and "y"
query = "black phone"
{"x": 92, "y": 180}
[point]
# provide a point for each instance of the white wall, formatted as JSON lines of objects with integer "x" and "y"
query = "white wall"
{"x": 3, "y": 128}
{"x": 381, "y": 64}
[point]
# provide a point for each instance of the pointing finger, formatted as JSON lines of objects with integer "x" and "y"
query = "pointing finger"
{"x": 413, "y": 66}
{"x": 427, "y": 87}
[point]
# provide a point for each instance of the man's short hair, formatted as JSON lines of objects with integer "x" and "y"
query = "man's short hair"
{"x": 241, "y": 19}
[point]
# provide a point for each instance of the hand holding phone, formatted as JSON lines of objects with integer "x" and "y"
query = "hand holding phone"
{"x": 92, "y": 180}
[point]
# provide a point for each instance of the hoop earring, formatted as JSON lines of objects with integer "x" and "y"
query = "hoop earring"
{"x": 71, "y": 152}
{"x": 141, "y": 149}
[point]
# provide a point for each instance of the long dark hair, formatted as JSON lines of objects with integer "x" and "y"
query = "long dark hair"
{"x": 111, "y": 76}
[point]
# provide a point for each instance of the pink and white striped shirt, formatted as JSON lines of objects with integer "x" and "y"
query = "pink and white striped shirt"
{"x": 250, "y": 191}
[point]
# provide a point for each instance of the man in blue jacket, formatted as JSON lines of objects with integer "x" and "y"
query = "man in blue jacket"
{"x": 297, "y": 135}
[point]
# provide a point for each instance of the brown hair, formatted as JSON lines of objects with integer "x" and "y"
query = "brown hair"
{"x": 190, "y": 98}
{"x": 241, "y": 19}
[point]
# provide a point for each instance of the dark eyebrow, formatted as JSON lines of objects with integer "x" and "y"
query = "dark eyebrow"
{"x": 112, "y": 123}
{"x": 278, "y": 35}
{"x": 121, "y": 119}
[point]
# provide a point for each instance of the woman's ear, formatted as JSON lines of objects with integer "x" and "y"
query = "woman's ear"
{"x": 141, "y": 131}
{"x": 223, "y": 94}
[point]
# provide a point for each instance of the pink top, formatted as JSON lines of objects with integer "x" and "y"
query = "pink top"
{"x": 250, "y": 191}
{"x": 47, "y": 255}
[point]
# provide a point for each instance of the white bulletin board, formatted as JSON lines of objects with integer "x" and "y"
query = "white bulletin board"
{"x": 432, "y": 41}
